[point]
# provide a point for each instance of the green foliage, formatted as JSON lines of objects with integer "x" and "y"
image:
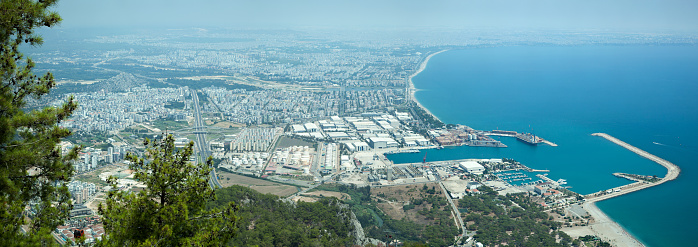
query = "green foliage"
{"x": 499, "y": 220}
{"x": 428, "y": 120}
{"x": 172, "y": 210}
{"x": 265, "y": 220}
{"x": 174, "y": 105}
{"x": 34, "y": 170}
{"x": 103, "y": 146}
{"x": 169, "y": 125}
{"x": 358, "y": 194}
{"x": 440, "y": 233}
{"x": 376, "y": 224}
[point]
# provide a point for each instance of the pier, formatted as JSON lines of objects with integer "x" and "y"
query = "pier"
{"x": 672, "y": 173}
{"x": 552, "y": 144}
{"x": 507, "y": 133}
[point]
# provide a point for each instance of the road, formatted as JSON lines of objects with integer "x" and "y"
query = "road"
{"x": 314, "y": 186}
{"x": 201, "y": 146}
{"x": 453, "y": 206}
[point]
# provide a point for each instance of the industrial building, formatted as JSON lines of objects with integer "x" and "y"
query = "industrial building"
{"x": 472, "y": 167}
{"x": 357, "y": 146}
{"x": 382, "y": 142}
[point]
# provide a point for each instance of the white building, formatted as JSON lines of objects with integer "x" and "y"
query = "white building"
{"x": 310, "y": 127}
{"x": 357, "y": 146}
{"x": 472, "y": 167}
{"x": 382, "y": 142}
{"x": 297, "y": 128}
{"x": 338, "y": 136}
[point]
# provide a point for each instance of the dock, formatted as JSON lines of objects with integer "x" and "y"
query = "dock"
{"x": 672, "y": 173}
{"x": 534, "y": 139}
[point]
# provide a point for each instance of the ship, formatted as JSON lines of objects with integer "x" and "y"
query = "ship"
{"x": 528, "y": 138}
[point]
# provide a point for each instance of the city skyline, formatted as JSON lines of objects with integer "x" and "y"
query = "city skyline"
{"x": 646, "y": 15}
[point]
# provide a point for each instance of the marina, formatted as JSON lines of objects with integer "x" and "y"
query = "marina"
{"x": 519, "y": 177}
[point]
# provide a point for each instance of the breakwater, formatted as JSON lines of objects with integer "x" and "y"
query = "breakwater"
{"x": 672, "y": 172}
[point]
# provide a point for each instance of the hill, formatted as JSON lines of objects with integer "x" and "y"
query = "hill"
{"x": 266, "y": 220}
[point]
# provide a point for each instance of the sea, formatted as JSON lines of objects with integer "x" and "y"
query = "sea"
{"x": 645, "y": 95}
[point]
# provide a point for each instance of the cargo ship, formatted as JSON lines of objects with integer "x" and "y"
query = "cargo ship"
{"x": 528, "y": 138}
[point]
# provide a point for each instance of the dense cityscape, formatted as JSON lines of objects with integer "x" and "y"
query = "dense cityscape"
{"x": 308, "y": 115}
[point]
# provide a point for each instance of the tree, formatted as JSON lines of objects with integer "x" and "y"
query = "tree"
{"x": 171, "y": 211}
{"x": 33, "y": 170}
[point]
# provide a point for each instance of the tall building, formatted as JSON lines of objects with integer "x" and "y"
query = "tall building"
{"x": 110, "y": 157}
{"x": 94, "y": 162}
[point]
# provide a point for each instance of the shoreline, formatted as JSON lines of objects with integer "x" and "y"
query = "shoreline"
{"x": 603, "y": 227}
{"x": 606, "y": 228}
{"x": 412, "y": 90}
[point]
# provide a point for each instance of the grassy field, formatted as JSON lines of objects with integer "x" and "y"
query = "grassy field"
{"x": 263, "y": 186}
{"x": 227, "y": 124}
{"x": 169, "y": 125}
{"x": 395, "y": 197}
{"x": 93, "y": 176}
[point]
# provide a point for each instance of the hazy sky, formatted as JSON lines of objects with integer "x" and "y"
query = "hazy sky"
{"x": 636, "y": 15}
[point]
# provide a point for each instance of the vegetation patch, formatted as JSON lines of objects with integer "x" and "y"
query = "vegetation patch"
{"x": 175, "y": 105}
{"x": 514, "y": 219}
{"x": 265, "y": 220}
{"x": 204, "y": 83}
{"x": 169, "y": 124}
{"x": 377, "y": 224}
{"x": 228, "y": 179}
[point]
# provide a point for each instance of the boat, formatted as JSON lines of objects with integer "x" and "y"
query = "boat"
{"x": 528, "y": 138}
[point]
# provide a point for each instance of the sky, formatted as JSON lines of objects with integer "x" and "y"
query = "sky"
{"x": 635, "y": 15}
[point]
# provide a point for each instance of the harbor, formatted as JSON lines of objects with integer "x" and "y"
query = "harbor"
{"x": 672, "y": 173}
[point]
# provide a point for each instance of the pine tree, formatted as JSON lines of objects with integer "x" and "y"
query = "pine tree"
{"x": 171, "y": 211}
{"x": 33, "y": 170}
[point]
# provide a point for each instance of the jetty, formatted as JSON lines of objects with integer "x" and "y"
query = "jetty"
{"x": 524, "y": 137}
{"x": 672, "y": 173}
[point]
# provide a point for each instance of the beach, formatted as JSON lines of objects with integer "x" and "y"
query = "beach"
{"x": 604, "y": 228}
{"x": 413, "y": 90}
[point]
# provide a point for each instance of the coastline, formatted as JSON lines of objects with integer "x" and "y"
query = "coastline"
{"x": 603, "y": 227}
{"x": 606, "y": 228}
{"x": 412, "y": 90}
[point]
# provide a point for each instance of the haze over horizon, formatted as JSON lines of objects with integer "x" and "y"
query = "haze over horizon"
{"x": 622, "y": 15}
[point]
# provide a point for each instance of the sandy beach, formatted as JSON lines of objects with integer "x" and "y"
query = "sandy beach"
{"x": 604, "y": 228}
{"x": 413, "y": 90}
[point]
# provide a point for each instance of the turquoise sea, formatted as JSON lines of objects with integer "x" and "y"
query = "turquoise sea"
{"x": 646, "y": 96}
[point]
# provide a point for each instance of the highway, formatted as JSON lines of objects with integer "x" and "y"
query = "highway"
{"x": 201, "y": 146}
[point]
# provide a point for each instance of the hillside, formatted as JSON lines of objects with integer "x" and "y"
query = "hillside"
{"x": 266, "y": 220}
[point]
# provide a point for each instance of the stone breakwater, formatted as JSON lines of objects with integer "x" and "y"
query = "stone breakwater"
{"x": 672, "y": 171}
